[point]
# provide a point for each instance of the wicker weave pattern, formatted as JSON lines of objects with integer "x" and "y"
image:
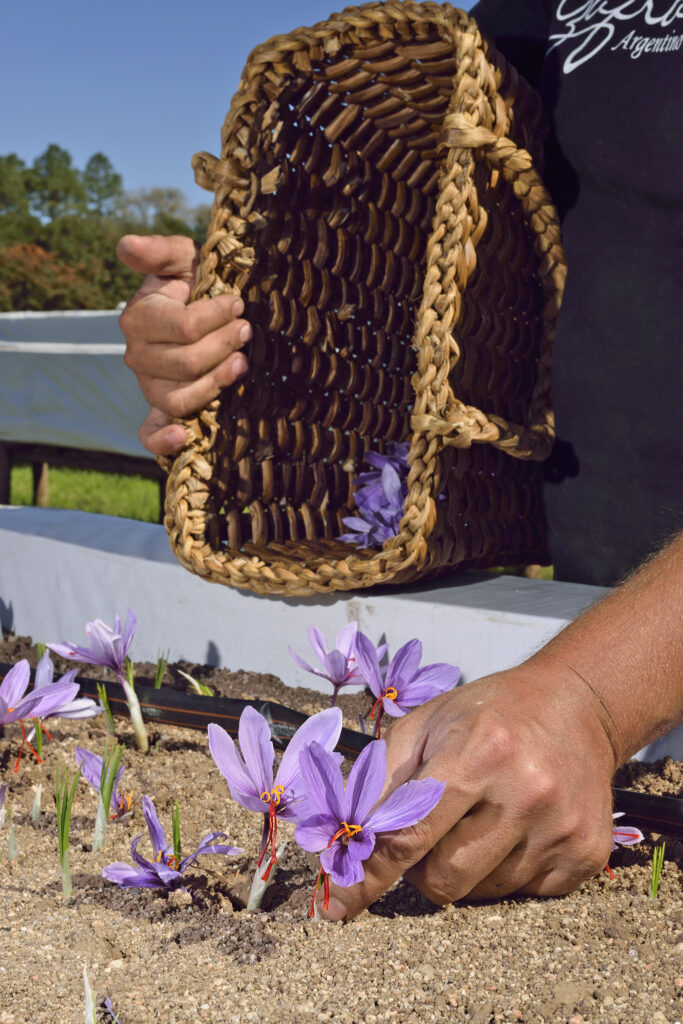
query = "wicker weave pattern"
{"x": 377, "y": 207}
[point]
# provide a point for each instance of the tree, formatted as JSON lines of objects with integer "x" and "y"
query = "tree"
{"x": 103, "y": 186}
{"x": 55, "y": 185}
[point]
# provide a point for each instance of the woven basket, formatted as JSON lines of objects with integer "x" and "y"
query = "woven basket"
{"x": 378, "y": 209}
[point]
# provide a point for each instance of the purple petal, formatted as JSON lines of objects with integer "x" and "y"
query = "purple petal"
{"x": 129, "y": 631}
{"x": 44, "y": 672}
{"x": 304, "y": 664}
{"x": 82, "y": 707}
{"x": 317, "y": 642}
{"x": 45, "y": 702}
{"x": 343, "y": 868}
{"x": 129, "y": 877}
{"x": 626, "y": 836}
{"x": 324, "y": 728}
{"x": 230, "y": 764}
{"x": 154, "y": 827}
{"x": 257, "y": 748}
{"x": 14, "y": 685}
{"x": 407, "y": 805}
{"x": 91, "y": 765}
{"x": 392, "y": 708}
{"x": 365, "y": 783}
{"x": 404, "y": 665}
{"x": 105, "y": 645}
{"x": 322, "y": 780}
{"x": 337, "y": 665}
{"x": 393, "y": 485}
{"x": 346, "y": 639}
{"x": 207, "y": 845}
{"x": 137, "y": 857}
{"x": 75, "y": 653}
{"x": 428, "y": 682}
{"x": 368, "y": 664}
{"x": 314, "y": 833}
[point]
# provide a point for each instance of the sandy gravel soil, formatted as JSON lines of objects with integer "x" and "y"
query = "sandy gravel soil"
{"x": 605, "y": 953}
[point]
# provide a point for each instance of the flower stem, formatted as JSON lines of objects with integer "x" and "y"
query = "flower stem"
{"x": 101, "y": 822}
{"x": 35, "y": 809}
{"x": 259, "y": 886}
{"x": 66, "y": 875}
{"x": 134, "y": 710}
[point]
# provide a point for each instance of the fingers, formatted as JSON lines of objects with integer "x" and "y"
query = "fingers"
{"x": 164, "y": 256}
{"x": 394, "y": 854}
{"x": 180, "y": 399}
{"x": 178, "y": 342}
{"x": 160, "y": 436}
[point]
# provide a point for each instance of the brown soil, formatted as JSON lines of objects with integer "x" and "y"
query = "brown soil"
{"x": 605, "y": 953}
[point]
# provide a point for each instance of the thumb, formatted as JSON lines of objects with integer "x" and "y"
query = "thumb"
{"x": 162, "y": 255}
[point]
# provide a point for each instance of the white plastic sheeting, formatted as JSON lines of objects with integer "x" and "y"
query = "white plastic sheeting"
{"x": 63, "y": 382}
{"x": 60, "y": 569}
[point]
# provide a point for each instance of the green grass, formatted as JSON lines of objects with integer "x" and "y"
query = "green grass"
{"x": 111, "y": 494}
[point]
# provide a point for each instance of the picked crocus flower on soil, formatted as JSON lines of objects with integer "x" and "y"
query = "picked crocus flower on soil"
{"x": 623, "y": 835}
{"x": 91, "y": 765}
{"x": 109, "y": 648}
{"x": 405, "y": 685}
{"x": 3, "y": 810}
{"x": 339, "y": 665}
{"x": 167, "y": 869}
{"x": 345, "y": 822}
{"x": 15, "y": 707}
{"x": 251, "y": 781}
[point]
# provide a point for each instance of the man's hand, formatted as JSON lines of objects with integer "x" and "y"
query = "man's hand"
{"x": 182, "y": 353}
{"x": 527, "y": 806}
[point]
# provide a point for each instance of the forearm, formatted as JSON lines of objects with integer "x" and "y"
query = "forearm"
{"x": 628, "y": 650}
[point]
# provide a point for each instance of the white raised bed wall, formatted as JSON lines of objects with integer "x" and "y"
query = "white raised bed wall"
{"x": 60, "y": 569}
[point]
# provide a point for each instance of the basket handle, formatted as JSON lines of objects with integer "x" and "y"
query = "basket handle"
{"x": 464, "y": 425}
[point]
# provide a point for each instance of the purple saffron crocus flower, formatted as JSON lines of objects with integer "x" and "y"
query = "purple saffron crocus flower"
{"x": 405, "y": 684}
{"x": 345, "y": 822}
{"x": 165, "y": 871}
{"x": 82, "y": 707}
{"x": 108, "y": 647}
{"x": 91, "y": 765}
{"x": 251, "y": 780}
{"x": 338, "y": 665}
{"x": 14, "y": 706}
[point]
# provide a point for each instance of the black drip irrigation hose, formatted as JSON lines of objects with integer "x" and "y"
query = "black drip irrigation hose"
{"x": 165, "y": 706}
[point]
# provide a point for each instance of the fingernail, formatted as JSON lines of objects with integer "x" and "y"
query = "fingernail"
{"x": 177, "y": 436}
{"x": 336, "y": 911}
{"x": 237, "y": 307}
{"x": 245, "y": 333}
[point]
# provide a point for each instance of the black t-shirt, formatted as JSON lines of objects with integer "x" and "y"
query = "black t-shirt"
{"x": 609, "y": 75}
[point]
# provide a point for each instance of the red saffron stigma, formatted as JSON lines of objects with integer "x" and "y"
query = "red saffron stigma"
{"x": 609, "y": 871}
{"x": 21, "y": 748}
{"x": 272, "y": 835}
{"x": 346, "y": 830}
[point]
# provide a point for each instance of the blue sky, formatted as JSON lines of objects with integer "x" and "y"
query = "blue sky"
{"x": 145, "y": 82}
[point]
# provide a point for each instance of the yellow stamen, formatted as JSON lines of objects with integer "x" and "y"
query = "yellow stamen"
{"x": 391, "y": 693}
{"x": 273, "y": 795}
